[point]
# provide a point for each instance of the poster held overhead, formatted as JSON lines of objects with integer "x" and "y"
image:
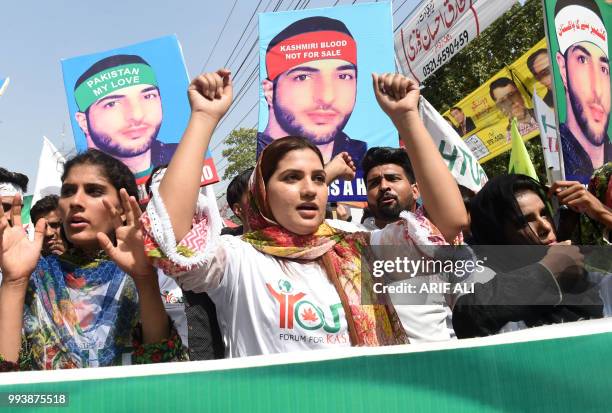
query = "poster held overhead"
{"x": 131, "y": 103}
{"x": 315, "y": 82}
{"x": 577, "y": 32}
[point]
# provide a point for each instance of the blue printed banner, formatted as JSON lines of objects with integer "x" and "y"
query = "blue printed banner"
{"x": 315, "y": 72}
{"x": 131, "y": 103}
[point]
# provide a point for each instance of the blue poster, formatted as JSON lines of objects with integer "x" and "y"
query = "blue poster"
{"x": 131, "y": 103}
{"x": 315, "y": 81}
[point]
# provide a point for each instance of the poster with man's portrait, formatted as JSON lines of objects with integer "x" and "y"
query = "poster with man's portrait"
{"x": 577, "y": 32}
{"x": 315, "y": 82}
{"x": 483, "y": 117}
{"x": 131, "y": 103}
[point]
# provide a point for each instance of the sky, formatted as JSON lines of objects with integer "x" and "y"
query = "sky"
{"x": 37, "y": 34}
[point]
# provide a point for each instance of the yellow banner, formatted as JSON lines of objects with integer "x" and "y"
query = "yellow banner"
{"x": 483, "y": 117}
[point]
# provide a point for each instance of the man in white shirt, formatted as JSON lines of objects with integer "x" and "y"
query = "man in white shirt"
{"x": 392, "y": 189}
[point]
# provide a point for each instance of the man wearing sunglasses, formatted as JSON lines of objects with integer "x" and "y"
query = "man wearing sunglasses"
{"x": 510, "y": 102}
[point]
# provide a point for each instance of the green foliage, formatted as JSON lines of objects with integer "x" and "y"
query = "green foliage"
{"x": 240, "y": 151}
{"x": 507, "y": 39}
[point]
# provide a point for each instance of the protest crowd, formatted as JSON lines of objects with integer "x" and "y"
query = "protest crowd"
{"x": 85, "y": 292}
{"x": 93, "y": 283}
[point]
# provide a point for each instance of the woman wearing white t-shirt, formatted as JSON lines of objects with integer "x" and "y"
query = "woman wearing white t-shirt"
{"x": 293, "y": 282}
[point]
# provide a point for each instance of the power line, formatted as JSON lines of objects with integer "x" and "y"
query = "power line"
{"x": 224, "y": 163}
{"x": 239, "y": 96}
{"x": 246, "y": 57}
{"x": 243, "y": 32}
{"x": 242, "y": 47}
{"x": 222, "y": 167}
{"x": 250, "y": 79}
{"x": 253, "y": 76}
{"x": 405, "y": 18}
{"x": 220, "y": 33}
{"x": 278, "y": 3}
{"x": 400, "y": 6}
{"x": 236, "y": 124}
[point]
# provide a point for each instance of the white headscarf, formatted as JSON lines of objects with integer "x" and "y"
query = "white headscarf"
{"x": 9, "y": 189}
{"x": 575, "y": 24}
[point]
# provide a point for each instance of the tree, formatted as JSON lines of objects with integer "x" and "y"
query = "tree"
{"x": 240, "y": 151}
{"x": 504, "y": 41}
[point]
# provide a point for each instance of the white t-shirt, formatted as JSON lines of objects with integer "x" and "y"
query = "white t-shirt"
{"x": 268, "y": 305}
{"x": 264, "y": 304}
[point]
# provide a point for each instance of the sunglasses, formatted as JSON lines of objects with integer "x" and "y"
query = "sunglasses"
{"x": 6, "y": 206}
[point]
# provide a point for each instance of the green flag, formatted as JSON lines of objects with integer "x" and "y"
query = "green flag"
{"x": 520, "y": 163}
{"x": 25, "y": 209}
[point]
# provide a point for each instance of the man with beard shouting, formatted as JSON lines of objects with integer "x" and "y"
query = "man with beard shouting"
{"x": 392, "y": 189}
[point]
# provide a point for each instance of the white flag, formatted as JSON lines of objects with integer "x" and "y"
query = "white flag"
{"x": 460, "y": 160}
{"x": 548, "y": 132}
{"x": 50, "y": 167}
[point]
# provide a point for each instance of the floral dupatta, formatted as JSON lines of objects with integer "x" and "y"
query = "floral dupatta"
{"x": 79, "y": 313}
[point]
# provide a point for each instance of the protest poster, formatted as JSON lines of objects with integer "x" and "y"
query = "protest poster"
{"x": 315, "y": 82}
{"x": 131, "y": 103}
{"x": 483, "y": 117}
{"x": 577, "y": 33}
{"x": 439, "y": 29}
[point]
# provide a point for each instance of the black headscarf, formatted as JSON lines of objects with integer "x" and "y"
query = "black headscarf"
{"x": 494, "y": 211}
{"x": 495, "y": 207}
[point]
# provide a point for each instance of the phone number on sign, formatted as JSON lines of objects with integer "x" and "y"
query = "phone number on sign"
{"x": 445, "y": 55}
{"x": 33, "y": 399}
